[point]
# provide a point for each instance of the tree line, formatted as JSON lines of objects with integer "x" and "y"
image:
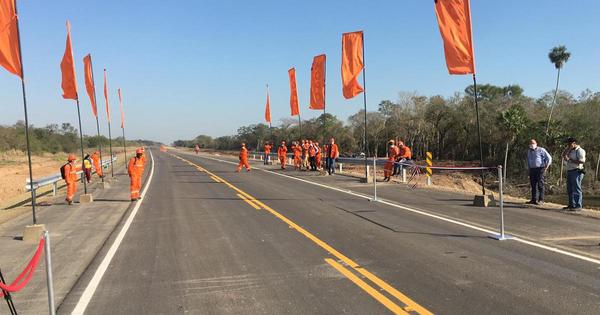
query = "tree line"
{"x": 446, "y": 126}
{"x": 54, "y": 138}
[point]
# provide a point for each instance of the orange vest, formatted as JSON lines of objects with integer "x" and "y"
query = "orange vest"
{"x": 282, "y": 151}
{"x": 267, "y": 149}
{"x": 71, "y": 173}
{"x": 243, "y": 154}
{"x": 135, "y": 167}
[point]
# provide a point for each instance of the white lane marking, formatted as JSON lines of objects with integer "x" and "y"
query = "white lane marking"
{"x": 431, "y": 215}
{"x": 88, "y": 293}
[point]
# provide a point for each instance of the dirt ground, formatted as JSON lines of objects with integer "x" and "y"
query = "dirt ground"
{"x": 14, "y": 170}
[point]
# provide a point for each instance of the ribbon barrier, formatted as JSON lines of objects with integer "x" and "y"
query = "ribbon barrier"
{"x": 25, "y": 276}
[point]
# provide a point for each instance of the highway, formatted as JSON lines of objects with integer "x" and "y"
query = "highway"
{"x": 207, "y": 240}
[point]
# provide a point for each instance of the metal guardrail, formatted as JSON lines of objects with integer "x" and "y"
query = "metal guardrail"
{"x": 56, "y": 178}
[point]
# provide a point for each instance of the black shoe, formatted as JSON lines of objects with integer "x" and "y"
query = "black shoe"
{"x": 530, "y": 202}
{"x": 567, "y": 208}
{"x": 575, "y": 209}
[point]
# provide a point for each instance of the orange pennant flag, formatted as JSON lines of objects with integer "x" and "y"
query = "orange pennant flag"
{"x": 121, "y": 107}
{"x": 454, "y": 19}
{"x": 352, "y": 63}
{"x": 10, "y": 52}
{"x": 293, "y": 92}
{"x": 268, "y": 108}
{"x": 106, "y": 96}
{"x": 67, "y": 67}
{"x": 317, "y": 83}
{"x": 89, "y": 82}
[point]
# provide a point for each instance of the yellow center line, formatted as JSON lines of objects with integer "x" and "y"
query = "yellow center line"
{"x": 249, "y": 202}
{"x": 369, "y": 289}
{"x": 411, "y": 306}
{"x": 215, "y": 179}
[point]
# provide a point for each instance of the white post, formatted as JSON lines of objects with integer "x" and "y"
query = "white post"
{"x": 341, "y": 167}
{"x": 54, "y": 188}
{"x": 49, "y": 282}
{"x": 374, "y": 178}
{"x": 403, "y": 174}
{"x": 501, "y": 192}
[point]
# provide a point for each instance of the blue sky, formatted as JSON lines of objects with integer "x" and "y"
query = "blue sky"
{"x": 200, "y": 67}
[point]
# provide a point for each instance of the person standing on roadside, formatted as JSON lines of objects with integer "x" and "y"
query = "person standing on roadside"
{"x": 96, "y": 161}
{"x": 332, "y": 154}
{"x": 87, "y": 167}
{"x": 538, "y": 162}
{"x": 69, "y": 174}
{"x": 135, "y": 170}
{"x": 282, "y": 154}
{"x": 267, "y": 157}
{"x": 574, "y": 157}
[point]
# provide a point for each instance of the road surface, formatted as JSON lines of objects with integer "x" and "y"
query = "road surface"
{"x": 207, "y": 240}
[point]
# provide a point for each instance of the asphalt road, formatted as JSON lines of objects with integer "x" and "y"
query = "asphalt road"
{"x": 207, "y": 240}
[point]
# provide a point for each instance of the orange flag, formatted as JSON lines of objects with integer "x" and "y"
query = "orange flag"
{"x": 293, "y": 92}
{"x": 352, "y": 63}
{"x": 67, "y": 67}
{"x": 10, "y": 53}
{"x": 121, "y": 107}
{"x": 317, "y": 83}
{"x": 268, "y": 108}
{"x": 89, "y": 82}
{"x": 106, "y": 96}
{"x": 454, "y": 19}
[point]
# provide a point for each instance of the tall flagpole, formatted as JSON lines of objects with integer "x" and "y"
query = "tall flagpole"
{"x": 479, "y": 135}
{"x": 97, "y": 122}
{"x": 81, "y": 145}
{"x": 300, "y": 125}
{"x": 324, "y": 85}
{"x": 365, "y": 143}
{"x": 112, "y": 172}
{"x": 26, "y": 121}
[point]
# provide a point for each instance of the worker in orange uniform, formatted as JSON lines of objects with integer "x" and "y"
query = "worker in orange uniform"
{"x": 404, "y": 154}
{"x": 392, "y": 152}
{"x": 69, "y": 173}
{"x": 297, "y": 151}
{"x": 97, "y": 166}
{"x": 305, "y": 147}
{"x": 312, "y": 155}
{"x": 143, "y": 155}
{"x": 331, "y": 155}
{"x": 243, "y": 159}
{"x": 319, "y": 155}
{"x": 282, "y": 154}
{"x": 267, "y": 157}
{"x": 135, "y": 169}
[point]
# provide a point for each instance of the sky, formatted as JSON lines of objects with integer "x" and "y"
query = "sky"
{"x": 200, "y": 67}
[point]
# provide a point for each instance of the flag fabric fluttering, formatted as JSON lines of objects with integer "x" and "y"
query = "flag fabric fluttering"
{"x": 352, "y": 63}
{"x": 89, "y": 82}
{"x": 317, "y": 82}
{"x": 454, "y": 20}
{"x": 293, "y": 93}
{"x": 10, "y": 54}
{"x": 106, "y": 96}
{"x": 67, "y": 67}
{"x": 268, "y": 108}
{"x": 121, "y": 107}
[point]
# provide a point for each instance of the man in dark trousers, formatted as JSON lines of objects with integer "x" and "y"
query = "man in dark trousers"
{"x": 538, "y": 161}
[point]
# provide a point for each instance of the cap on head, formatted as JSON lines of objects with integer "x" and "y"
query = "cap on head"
{"x": 71, "y": 157}
{"x": 139, "y": 151}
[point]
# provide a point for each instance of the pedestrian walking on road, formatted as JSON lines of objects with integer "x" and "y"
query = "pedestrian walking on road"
{"x": 267, "y": 156}
{"x": 87, "y": 167}
{"x": 538, "y": 161}
{"x": 197, "y": 149}
{"x": 282, "y": 154}
{"x": 243, "y": 159}
{"x": 332, "y": 155}
{"x": 135, "y": 169}
{"x": 574, "y": 157}
{"x": 69, "y": 174}
{"x": 297, "y": 151}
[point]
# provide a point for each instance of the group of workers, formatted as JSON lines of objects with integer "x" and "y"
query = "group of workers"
{"x": 307, "y": 155}
{"x": 135, "y": 170}
{"x": 397, "y": 153}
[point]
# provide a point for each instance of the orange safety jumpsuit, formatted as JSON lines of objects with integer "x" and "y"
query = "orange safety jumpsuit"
{"x": 243, "y": 160}
{"x": 404, "y": 153}
{"x": 319, "y": 158}
{"x": 135, "y": 169}
{"x": 96, "y": 161}
{"x": 282, "y": 154}
{"x": 391, "y": 159}
{"x": 305, "y": 147}
{"x": 297, "y": 149}
{"x": 71, "y": 180}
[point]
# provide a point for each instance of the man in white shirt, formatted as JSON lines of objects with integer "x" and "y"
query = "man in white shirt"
{"x": 574, "y": 157}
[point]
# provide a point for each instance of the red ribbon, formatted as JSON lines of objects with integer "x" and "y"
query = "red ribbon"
{"x": 23, "y": 278}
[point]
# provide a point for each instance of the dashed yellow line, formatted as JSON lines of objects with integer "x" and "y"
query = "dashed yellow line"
{"x": 252, "y": 204}
{"x": 367, "y": 288}
{"x": 410, "y": 305}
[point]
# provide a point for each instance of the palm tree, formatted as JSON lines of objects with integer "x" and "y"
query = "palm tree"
{"x": 558, "y": 56}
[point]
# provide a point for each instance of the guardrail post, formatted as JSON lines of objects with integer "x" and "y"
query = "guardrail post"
{"x": 49, "y": 282}
{"x": 428, "y": 170}
{"x": 54, "y": 188}
{"x": 374, "y": 178}
{"x": 403, "y": 169}
{"x": 341, "y": 164}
